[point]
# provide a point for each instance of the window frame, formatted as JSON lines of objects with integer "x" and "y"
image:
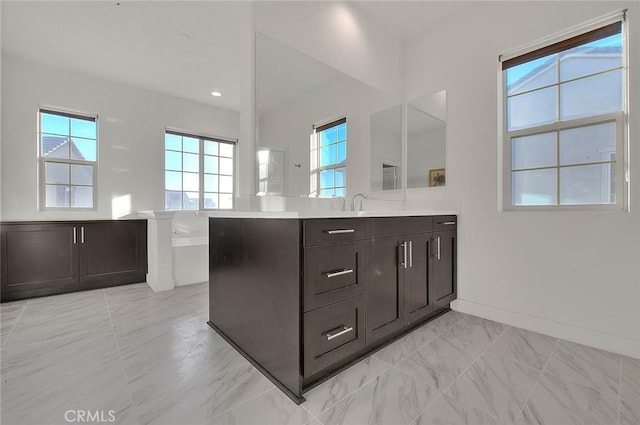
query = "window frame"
{"x": 42, "y": 160}
{"x": 315, "y": 146}
{"x": 201, "y": 174}
{"x": 620, "y": 118}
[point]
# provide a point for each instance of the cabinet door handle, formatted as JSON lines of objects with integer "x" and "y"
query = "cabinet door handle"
{"x": 410, "y": 253}
{"x": 448, "y": 223}
{"x": 82, "y": 234}
{"x": 75, "y": 235}
{"x": 438, "y": 249}
{"x": 340, "y": 273}
{"x": 339, "y": 331}
{"x": 339, "y": 231}
{"x": 404, "y": 254}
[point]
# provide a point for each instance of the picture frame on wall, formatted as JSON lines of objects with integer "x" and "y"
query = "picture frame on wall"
{"x": 437, "y": 177}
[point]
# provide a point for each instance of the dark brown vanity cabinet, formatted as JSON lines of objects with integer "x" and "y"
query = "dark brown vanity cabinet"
{"x": 301, "y": 298}
{"x": 47, "y": 258}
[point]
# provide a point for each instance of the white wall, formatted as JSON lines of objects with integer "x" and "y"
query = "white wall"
{"x": 575, "y": 275}
{"x": 131, "y": 124}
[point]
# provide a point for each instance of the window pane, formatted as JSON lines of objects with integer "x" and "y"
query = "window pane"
{"x": 535, "y": 187}
{"x": 55, "y": 146}
{"x": 327, "y": 192}
{"x": 326, "y": 179}
{"x": 173, "y": 160}
{"x": 173, "y": 200}
{"x": 83, "y": 128}
{"x": 190, "y": 144}
{"x": 341, "y": 191}
{"x": 191, "y": 162}
{"x": 211, "y": 164}
{"x": 588, "y": 184}
{"x": 226, "y": 201}
{"x": 82, "y": 174}
{"x": 597, "y": 56}
{"x": 533, "y": 151}
{"x": 532, "y": 109}
{"x": 173, "y": 180}
{"x": 532, "y": 75}
{"x": 210, "y": 148}
{"x": 173, "y": 142}
{"x": 190, "y": 200}
{"x": 56, "y": 173}
{"x": 342, "y": 132}
{"x": 226, "y": 184}
{"x": 82, "y": 196}
{"x": 328, "y": 136}
{"x": 57, "y": 196}
{"x": 328, "y": 155}
{"x": 226, "y": 166}
{"x": 210, "y": 183}
{"x": 83, "y": 149}
{"x": 226, "y": 149}
{"x": 341, "y": 176}
{"x": 591, "y": 96}
{"x": 342, "y": 152}
{"x": 211, "y": 200}
{"x": 594, "y": 143}
{"x": 190, "y": 182}
{"x": 54, "y": 124}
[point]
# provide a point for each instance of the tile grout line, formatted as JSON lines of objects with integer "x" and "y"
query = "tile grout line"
{"x": 544, "y": 368}
{"x": 124, "y": 371}
{"x": 15, "y": 324}
{"x": 462, "y": 373}
{"x": 620, "y": 392}
{"x": 224, "y": 412}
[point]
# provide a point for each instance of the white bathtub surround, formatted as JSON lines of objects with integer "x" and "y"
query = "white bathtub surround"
{"x": 160, "y": 251}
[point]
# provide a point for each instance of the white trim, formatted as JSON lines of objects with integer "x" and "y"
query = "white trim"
{"x": 602, "y": 340}
{"x": 200, "y": 135}
{"x": 564, "y": 34}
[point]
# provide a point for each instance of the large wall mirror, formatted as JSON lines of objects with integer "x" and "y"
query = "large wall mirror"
{"x": 426, "y": 140}
{"x": 306, "y": 149}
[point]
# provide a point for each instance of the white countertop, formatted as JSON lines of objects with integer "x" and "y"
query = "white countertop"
{"x": 318, "y": 214}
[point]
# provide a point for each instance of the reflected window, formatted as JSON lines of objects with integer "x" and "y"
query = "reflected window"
{"x": 564, "y": 112}
{"x": 329, "y": 159}
{"x": 199, "y": 172}
{"x": 68, "y": 149}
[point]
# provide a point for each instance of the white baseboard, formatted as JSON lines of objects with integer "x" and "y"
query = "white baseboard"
{"x": 604, "y": 341}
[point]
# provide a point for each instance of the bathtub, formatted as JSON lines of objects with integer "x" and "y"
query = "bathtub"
{"x": 190, "y": 245}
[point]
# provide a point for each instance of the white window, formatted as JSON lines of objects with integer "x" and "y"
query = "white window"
{"x": 68, "y": 151}
{"x": 198, "y": 172}
{"x": 329, "y": 159}
{"x": 564, "y": 112}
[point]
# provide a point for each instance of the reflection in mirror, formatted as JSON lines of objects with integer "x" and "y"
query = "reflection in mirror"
{"x": 271, "y": 169}
{"x": 318, "y": 118}
{"x": 386, "y": 149}
{"x": 426, "y": 140}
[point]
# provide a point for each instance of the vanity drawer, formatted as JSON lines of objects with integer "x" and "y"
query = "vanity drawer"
{"x": 444, "y": 222}
{"x": 381, "y": 227}
{"x": 332, "y": 333}
{"x": 333, "y": 230}
{"x": 333, "y": 273}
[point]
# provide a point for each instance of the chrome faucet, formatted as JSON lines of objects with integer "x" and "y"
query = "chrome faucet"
{"x": 353, "y": 201}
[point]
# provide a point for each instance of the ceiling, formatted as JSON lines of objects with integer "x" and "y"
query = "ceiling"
{"x": 181, "y": 48}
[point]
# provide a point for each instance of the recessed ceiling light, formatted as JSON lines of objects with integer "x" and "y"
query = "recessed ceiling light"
{"x": 216, "y": 93}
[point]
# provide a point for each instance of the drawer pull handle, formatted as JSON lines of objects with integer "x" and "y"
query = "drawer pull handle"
{"x": 340, "y": 273}
{"x": 338, "y": 332}
{"x": 339, "y": 231}
{"x": 447, "y": 223}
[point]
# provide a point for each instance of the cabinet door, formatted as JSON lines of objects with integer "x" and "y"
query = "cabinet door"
{"x": 384, "y": 288}
{"x": 417, "y": 303}
{"x": 443, "y": 278}
{"x": 38, "y": 259}
{"x": 113, "y": 252}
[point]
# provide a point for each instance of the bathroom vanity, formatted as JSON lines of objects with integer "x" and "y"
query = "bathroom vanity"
{"x": 302, "y": 296}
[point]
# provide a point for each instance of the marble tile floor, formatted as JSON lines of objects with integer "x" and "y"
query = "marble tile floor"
{"x": 150, "y": 359}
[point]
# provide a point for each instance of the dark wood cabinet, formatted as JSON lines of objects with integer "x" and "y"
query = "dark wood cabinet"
{"x": 301, "y": 298}
{"x": 47, "y": 258}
